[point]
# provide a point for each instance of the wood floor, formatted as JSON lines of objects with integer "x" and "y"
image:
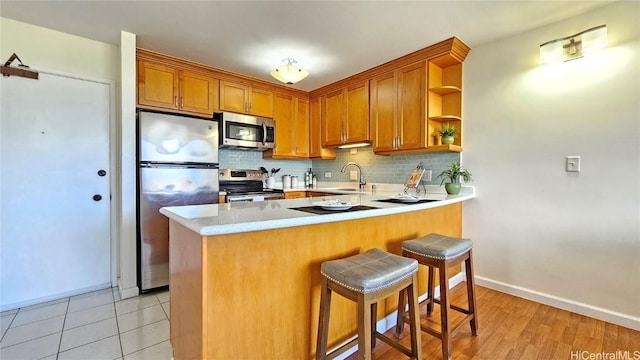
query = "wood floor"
{"x": 515, "y": 328}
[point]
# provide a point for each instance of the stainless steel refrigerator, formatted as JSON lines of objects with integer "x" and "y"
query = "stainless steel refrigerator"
{"x": 178, "y": 165}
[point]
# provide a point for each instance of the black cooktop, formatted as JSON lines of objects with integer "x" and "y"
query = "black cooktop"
{"x": 320, "y": 211}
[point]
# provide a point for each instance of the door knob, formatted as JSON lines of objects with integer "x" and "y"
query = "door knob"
{"x": 102, "y": 173}
{"x": 97, "y": 197}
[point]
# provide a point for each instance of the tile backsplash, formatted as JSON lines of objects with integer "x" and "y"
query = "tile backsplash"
{"x": 242, "y": 159}
{"x": 392, "y": 169}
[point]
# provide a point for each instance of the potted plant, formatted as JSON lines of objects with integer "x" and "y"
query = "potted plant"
{"x": 453, "y": 174}
{"x": 447, "y": 133}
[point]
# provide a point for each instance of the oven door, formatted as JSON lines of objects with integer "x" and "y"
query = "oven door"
{"x": 247, "y": 132}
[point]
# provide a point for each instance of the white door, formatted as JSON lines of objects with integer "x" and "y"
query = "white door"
{"x": 55, "y": 201}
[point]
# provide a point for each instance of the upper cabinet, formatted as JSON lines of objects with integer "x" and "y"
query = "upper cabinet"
{"x": 345, "y": 116}
{"x": 408, "y": 101}
{"x": 316, "y": 151}
{"x": 245, "y": 99}
{"x": 161, "y": 87}
{"x": 398, "y": 110}
{"x": 292, "y": 128}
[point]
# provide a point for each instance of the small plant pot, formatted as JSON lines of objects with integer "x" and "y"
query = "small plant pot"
{"x": 453, "y": 188}
{"x": 447, "y": 140}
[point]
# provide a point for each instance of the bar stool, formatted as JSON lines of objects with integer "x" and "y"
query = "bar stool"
{"x": 440, "y": 252}
{"x": 367, "y": 278}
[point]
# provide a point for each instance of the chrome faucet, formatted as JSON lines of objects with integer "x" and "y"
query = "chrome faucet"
{"x": 362, "y": 182}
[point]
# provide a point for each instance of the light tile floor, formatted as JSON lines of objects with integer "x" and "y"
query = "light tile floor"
{"x": 93, "y": 326}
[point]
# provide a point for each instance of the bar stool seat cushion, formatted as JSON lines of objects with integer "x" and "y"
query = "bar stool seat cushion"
{"x": 369, "y": 271}
{"x": 437, "y": 246}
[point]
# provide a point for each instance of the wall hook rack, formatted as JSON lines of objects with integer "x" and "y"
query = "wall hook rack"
{"x": 22, "y": 70}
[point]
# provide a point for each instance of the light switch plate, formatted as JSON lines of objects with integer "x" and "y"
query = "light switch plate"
{"x": 353, "y": 175}
{"x": 327, "y": 174}
{"x": 427, "y": 175}
{"x": 573, "y": 163}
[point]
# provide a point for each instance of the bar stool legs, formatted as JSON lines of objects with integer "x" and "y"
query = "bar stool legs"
{"x": 440, "y": 252}
{"x": 360, "y": 285}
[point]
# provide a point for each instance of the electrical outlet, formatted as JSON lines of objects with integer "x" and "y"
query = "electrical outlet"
{"x": 573, "y": 163}
{"x": 427, "y": 175}
{"x": 353, "y": 175}
{"x": 327, "y": 174}
{"x": 353, "y": 151}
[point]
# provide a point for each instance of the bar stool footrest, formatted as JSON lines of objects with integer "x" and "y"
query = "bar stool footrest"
{"x": 436, "y": 333}
{"x": 395, "y": 345}
{"x": 454, "y": 307}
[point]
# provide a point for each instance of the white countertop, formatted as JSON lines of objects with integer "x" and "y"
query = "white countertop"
{"x": 229, "y": 218}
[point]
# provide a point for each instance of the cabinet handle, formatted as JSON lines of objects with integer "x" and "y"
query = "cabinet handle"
{"x": 250, "y": 107}
{"x": 181, "y": 101}
{"x": 175, "y": 101}
{"x": 246, "y": 107}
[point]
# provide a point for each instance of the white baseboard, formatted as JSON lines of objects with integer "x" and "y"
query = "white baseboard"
{"x": 391, "y": 320}
{"x": 129, "y": 292}
{"x": 53, "y": 297}
{"x": 562, "y": 303}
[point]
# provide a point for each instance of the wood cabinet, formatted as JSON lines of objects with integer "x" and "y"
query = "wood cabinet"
{"x": 292, "y": 128}
{"x": 445, "y": 100}
{"x": 317, "y": 194}
{"x": 162, "y": 87}
{"x": 398, "y": 110}
{"x": 316, "y": 151}
{"x": 245, "y": 99}
{"x": 345, "y": 116}
{"x": 295, "y": 194}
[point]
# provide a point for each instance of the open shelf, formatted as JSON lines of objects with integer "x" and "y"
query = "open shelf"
{"x": 442, "y": 118}
{"x": 445, "y": 90}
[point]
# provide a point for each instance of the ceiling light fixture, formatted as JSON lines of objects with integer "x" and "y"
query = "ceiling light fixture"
{"x": 288, "y": 73}
{"x": 574, "y": 46}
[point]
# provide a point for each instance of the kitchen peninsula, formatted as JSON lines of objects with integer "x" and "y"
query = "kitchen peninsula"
{"x": 245, "y": 277}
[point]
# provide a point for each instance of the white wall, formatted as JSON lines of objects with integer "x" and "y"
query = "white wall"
{"x": 128, "y": 168}
{"x": 52, "y": 50}
{"x": 571, "y": 240}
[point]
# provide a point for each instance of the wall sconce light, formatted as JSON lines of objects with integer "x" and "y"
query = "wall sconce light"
{"x": 574, "y": 46}
{"x": 288, "y": 73}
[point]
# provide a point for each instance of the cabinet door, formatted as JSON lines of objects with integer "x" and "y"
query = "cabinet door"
{"x": 301, "y": 128}
{"x": 295, "y": 194}
{"x": 357, "y": 119}
{"x": 412, "y": 120}
{"x": 315, "y": 132}
{"x": 157, "y": 85}
{"x": 261, "y": 102}
{"x": 198, "y": 93}
{"x": 283, "y": 112}
{"x": 384, "y": 112}
{"x": 234, "y": 97}
{"x": 332, "y": 119}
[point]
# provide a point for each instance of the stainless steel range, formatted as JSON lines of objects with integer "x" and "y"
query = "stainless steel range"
{"x": 246, "y": 185}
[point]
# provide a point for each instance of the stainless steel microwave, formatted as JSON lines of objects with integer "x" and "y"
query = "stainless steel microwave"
{"x": 248, "y": 132}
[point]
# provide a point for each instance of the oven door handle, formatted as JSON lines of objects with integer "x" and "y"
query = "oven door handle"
{"x": 264, "y": 134}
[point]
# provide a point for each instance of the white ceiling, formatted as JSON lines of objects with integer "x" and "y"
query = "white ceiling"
{"x": 331, "y": 39}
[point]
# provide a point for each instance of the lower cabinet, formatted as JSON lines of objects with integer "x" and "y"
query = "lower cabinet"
{"x": 317, "y": 194}
{"x": 295, "y": 194}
